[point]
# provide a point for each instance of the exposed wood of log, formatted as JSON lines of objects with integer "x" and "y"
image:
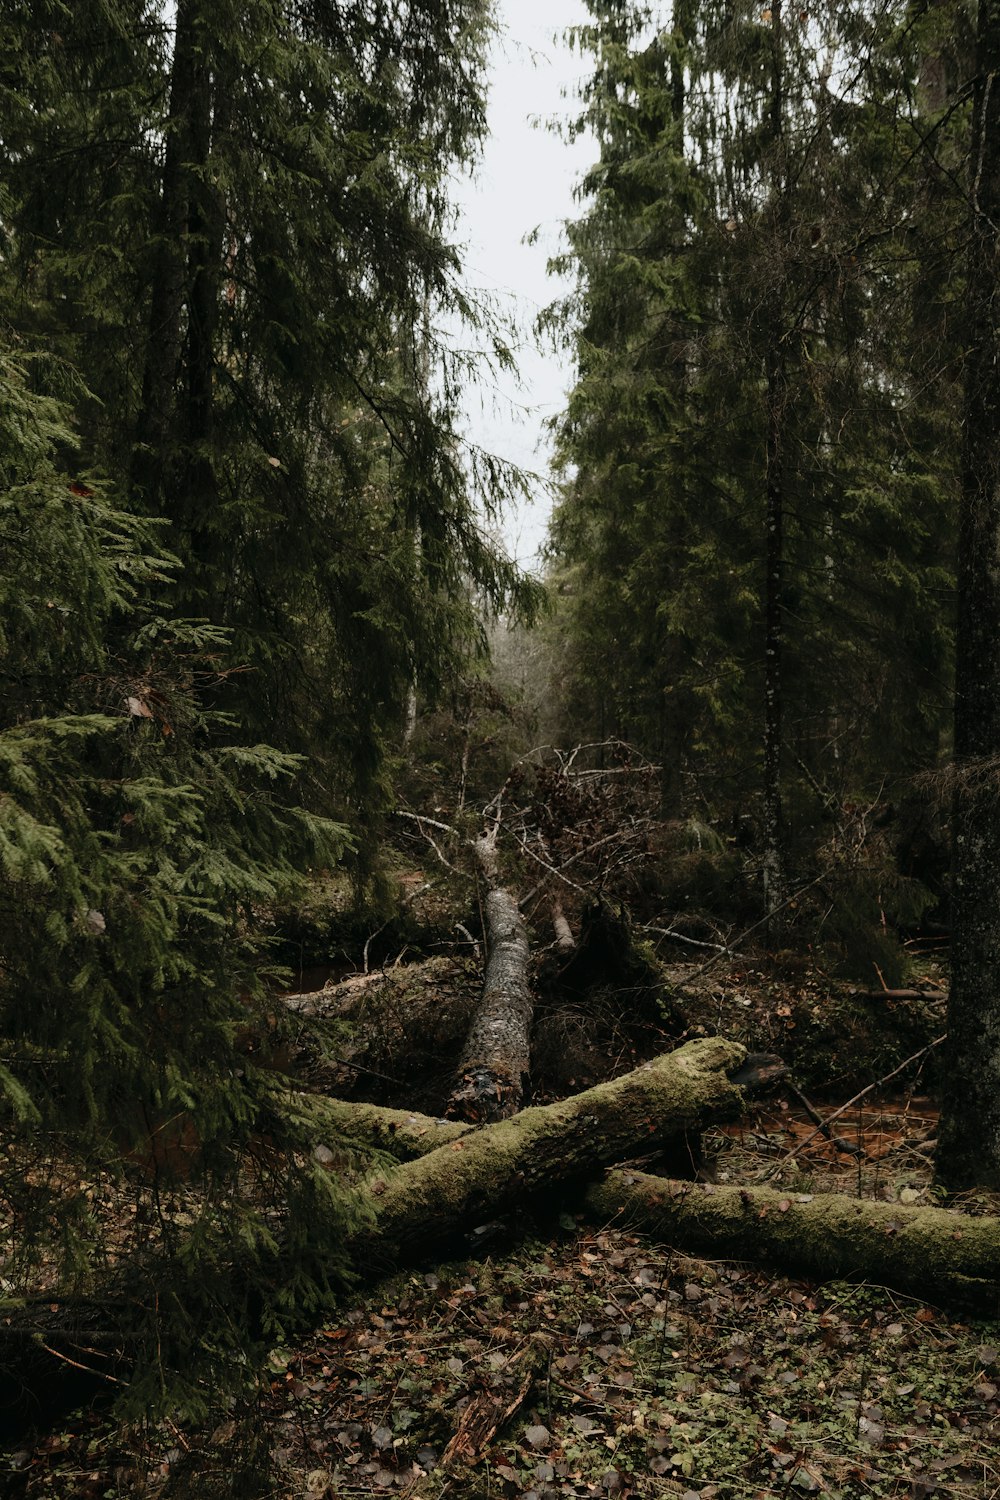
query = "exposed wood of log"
{"x": 472, "y": 1180}
{"x": 482, "y": 1418}
{"x": 492, "y": 1409}
{"x": 565, "y": 941}
{"x": 930, "y": 1252}
{"x": 493, "y": 1072}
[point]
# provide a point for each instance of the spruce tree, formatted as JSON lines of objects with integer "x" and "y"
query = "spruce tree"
{"x": 137, "y": 840}
{"x": 237, "y": 523}
{"x": 795, "y": 505}
{"x": 245, "y": 217}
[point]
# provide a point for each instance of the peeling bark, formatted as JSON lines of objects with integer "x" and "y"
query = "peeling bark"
{"x": 488, "y": 1412}
{"x": 485, "y": 1414}
{"x": 494, "y": 1068}
{"x": 926, "y": 1251}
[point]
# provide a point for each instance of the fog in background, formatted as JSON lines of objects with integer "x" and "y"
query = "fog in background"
{"x": 525, "y": 181}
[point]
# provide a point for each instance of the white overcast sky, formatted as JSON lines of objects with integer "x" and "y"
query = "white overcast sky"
{"x": 525, "y": 181}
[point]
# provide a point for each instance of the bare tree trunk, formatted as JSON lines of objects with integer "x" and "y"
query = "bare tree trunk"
{"x": 969, "y": 1139}
{"x": 773, "y": 841}
{"x": 773, "y": 859}
{"x": 168, "y": 293}
{"x": 493, "y": 1072}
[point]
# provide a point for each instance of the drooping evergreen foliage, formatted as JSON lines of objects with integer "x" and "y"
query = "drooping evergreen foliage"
{"x": 233, "y": 226}
{"x": 137, "y": 835}
{"x": 235, "y": 526}
{"x": 757, "y": 517}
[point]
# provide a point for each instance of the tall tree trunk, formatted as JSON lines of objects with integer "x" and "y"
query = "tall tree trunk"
{"x": 676, "y": 703}
{"x": 209, "y": 119}
{"x": 168, "y": 292}
{"x": 774, "y": 482}
{"x": 773, "y": 852}
{"x": 969, "y": 1140}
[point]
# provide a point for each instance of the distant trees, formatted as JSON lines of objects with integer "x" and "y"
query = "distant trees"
{"x": 757, "y": 499}
{"x": 787, "y": 345}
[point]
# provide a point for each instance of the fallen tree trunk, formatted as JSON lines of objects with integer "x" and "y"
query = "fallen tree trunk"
{"x": 473, "y": 1179}
{"x": 404, "y": 1023}
{"x": 398, "y": 1132}
{"x": 565, "y": 941}
{"x": 474, "y": 1176}
{"x": 929, "y": 1252}
{"x": 492, "y": 1074}
{"x": 407, "y": 1135}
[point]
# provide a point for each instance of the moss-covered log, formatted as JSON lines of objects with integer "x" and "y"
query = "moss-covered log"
{"x": 406, "y": 1134}
{"x": 493, "y": 1071}
{"x": 930, "y": 1252}
{"x": 401, "y": 1133}
{"x": 491, "y": 1170}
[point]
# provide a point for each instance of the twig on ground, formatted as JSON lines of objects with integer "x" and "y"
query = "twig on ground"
{"x": 848, "y": 1147}
{"x": 732, "y": 950}
{"x": 680, "y": 937}
{"x": 801, "y": 1145}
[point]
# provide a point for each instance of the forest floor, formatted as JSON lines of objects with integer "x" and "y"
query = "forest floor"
{"x": 665, "y": 1375}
